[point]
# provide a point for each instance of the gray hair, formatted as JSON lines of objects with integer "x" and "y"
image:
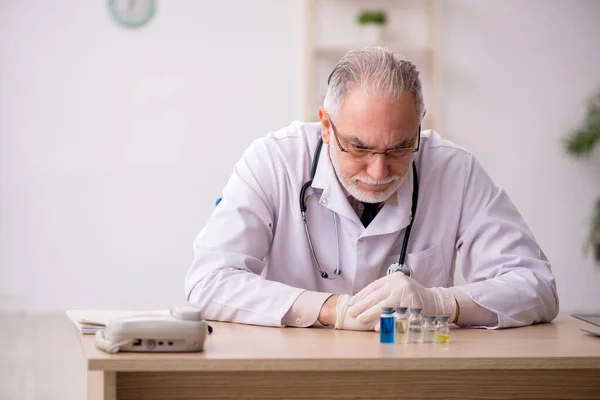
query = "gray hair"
{"x": 378, "y": 71}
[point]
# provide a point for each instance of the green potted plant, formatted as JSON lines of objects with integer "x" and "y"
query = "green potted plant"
{"x": 581, "y": 143}
{"x": 371, "y": 23}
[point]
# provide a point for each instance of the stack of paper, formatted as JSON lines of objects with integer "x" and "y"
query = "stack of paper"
{"x": 90, "y": 321}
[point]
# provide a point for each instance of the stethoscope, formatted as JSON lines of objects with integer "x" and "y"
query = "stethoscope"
{"x": 400, "y": 265}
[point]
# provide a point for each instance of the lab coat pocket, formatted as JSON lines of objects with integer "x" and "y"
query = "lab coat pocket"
{"x": 428, "y": 267}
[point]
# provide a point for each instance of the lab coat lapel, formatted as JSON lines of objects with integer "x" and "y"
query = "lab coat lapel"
{"x": 333, "y": 196}
{"x": 395, "y": 214}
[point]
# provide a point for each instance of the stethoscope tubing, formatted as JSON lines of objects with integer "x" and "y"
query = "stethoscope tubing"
{"x": 337, "y": 271}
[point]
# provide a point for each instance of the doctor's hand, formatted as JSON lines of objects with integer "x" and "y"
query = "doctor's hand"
{"x": 334, "y": 312}
{"x": 398, "y": 290}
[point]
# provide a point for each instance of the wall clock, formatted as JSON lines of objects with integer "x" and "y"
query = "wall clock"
{"x": 132, "y": 13}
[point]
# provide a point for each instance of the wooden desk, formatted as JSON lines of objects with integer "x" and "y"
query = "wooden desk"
{"x": 546, "y": 361}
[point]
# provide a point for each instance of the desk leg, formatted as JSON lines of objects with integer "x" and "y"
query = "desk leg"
{"x": 101, "y": 385}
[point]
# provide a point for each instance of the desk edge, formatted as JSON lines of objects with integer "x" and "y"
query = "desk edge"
{"x": 580, "y": 363}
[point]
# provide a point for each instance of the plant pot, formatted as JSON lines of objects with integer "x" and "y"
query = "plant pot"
{"x": 371, "y": 34}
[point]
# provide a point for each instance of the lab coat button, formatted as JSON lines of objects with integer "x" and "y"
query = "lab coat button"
{"x": 324, "y": 201}
{"x": 361, "y": 240}
{"x": 299, "y": 321}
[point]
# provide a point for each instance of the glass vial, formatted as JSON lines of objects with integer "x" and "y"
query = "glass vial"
{"x": 429, "y": 329}
{"x": 401, "y": 325}
{"x": 442, "y": 330}
{"x": 415, "y": 326}
{"x": 386, "y": 325}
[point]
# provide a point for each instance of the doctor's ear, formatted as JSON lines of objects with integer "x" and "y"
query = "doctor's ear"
{"x": 325, "y": 125}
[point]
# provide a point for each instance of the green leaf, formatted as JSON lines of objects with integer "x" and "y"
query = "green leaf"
{"x": 594, "y": 235}
{"x": 371, "y": 17}
{"x": 581, "y": 142}
{"x": 595, "y": 231}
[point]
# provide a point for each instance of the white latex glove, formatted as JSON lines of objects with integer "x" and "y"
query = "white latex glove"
{"x": 398, "y": 290}
{"x": 344, "y": 321}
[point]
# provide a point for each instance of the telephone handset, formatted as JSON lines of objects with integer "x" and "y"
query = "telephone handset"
{"x": 183, "y": 330}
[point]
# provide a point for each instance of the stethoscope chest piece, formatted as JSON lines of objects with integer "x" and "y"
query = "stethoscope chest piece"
{"x": 395, "y": 267}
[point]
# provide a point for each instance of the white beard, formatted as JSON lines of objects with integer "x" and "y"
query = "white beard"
{"x": 351, "y": 183}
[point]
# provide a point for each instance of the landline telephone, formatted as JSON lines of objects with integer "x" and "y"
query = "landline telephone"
{"x": 183, "y": 330}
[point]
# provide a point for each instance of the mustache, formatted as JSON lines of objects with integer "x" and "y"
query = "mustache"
{"x": 371, "y": 181}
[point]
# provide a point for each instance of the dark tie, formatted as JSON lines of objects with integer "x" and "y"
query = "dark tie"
{"x": 369, "y": 213}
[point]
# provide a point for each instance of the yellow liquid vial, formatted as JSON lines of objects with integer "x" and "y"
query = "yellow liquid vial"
{"x": 442, "y": 338}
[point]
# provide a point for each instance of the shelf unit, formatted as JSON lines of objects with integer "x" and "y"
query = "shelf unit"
{"x": 412, "y": 30}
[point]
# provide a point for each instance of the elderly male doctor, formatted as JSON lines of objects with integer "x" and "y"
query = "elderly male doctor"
{"x": 256, "y": 262}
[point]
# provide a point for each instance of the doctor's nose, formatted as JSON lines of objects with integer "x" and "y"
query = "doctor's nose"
{"x": 376, "y": 167}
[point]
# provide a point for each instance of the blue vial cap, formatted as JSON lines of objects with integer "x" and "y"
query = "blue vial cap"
{"x": 387, "y": 310}
{"x": 415, "y": 310}
{"x": 443, "y": 318}
{"x": 401, "y": 310}
{"x": 429, "y": 318}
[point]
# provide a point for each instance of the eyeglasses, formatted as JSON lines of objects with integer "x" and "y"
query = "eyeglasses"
{"x": 396, "y": 153}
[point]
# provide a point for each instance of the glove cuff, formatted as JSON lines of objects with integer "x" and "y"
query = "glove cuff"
{"x": 445, "y": 302}
{"x": 340, "y": 310}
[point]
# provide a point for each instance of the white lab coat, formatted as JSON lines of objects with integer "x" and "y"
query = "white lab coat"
{"x": 252, "y": 259}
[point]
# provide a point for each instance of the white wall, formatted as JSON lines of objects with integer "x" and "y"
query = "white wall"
{"x": 114, "y": 144}
{"x": 516, "y": 77}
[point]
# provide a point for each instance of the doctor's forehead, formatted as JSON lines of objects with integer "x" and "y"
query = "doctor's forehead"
{"x": 373, "y": 118}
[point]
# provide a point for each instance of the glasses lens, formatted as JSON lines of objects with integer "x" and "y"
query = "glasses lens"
{"x": 359, "y": 153}
{"x": 399, "y": 154}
